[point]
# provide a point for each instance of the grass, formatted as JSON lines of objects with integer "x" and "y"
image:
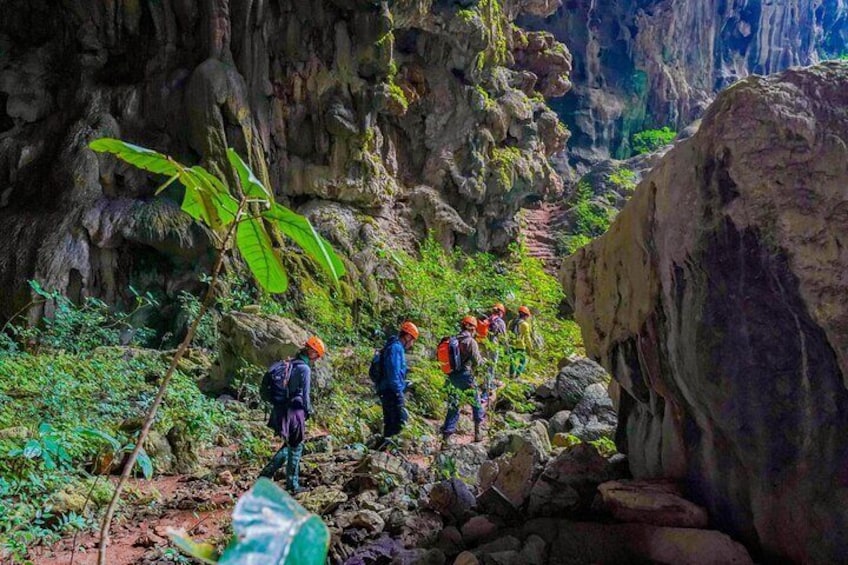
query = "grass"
{"x": 649, "y": 140}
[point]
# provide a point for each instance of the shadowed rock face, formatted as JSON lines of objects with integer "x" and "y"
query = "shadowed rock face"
{"x": 422, "y": 114}
{"x": 717, "y": 302}
{"x": 646, "y": 63}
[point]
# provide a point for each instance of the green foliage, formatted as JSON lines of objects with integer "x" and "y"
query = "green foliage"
{"x": 650, "y": 140}
{"x": 506, "y": 163}
{"x": 67, "y": 410}
{"x": 269, "y": 527}
{"x": 398, "y": 95}
{"x": 605, "y": 446}
{"x": 210, "y": 201}
{"x": 623, "y": 179}
{"x": 79, "y": 328}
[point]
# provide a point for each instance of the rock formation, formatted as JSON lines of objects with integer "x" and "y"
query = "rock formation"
{"x": 644, "y": 64}
{"x": 717, "y": 302}
{"x": 425, "y": 114}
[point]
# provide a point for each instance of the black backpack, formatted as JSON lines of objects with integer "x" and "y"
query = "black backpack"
{"x": 375, "y": 371}
{"x": 275, "y": 383}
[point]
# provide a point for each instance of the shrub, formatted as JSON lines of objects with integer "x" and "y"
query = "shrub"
{"x": 650, "y": 140}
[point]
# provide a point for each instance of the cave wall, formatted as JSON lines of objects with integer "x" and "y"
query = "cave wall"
{"x": 642, "y": 64}
{"x": 418, "y": 114}
{"x": 716, "y": 301}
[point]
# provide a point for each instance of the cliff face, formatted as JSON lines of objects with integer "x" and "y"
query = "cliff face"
{"x": 642, "y": 64}
{"x": 717, "y": 302}
{"x": 421, "y": 114}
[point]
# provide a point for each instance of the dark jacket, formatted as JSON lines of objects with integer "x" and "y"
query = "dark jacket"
{"x": 469, "y": 352}
{"x": 300, "y": 382}
{"x": 393, "y": 359}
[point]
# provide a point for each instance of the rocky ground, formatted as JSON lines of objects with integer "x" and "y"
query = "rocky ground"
{"x": 537, "y": 494}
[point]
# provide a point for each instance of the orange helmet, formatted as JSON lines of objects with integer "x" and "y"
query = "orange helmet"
{"x": 409, "y": 328}
{"x": 524, "y": 310}
{"x": 469, "y": 321}
{"x": 499, "y": 307}
{"x": 315, "y": 344}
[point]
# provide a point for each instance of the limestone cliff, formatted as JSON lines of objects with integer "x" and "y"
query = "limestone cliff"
{"x": 642, "y": 64}
{"x": 417, "y": 113}
{"x": 717, "y": 302}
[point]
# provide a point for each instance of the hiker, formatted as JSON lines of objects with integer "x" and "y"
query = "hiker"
{"x": 388, "y": 371}
{"x": 286, "y": 385}
{"x": 522, "y": 342}
{"x": 495, "y": 342}
{"x": 462, "y": 383}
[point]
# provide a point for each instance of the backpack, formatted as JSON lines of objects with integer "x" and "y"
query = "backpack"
{"x": 275, "y": 382}
{"x": 448, "y": 354}
{"x": 375, "y": 371}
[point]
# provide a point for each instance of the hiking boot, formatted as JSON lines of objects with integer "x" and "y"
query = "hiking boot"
{"x": 446, "y": 440}
{"x": 275, "y": 464}
{"x": 478, "y": 434}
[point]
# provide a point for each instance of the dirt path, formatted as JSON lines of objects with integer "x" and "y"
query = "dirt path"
{"x": 199, "y": 506}
{"x": 539, "y": 228}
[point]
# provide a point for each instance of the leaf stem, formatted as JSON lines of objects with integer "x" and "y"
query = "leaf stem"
{"x": 163, "y": 387}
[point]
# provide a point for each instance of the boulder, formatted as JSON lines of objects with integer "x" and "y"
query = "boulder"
{"x": 534, "y": 551}
{"x": 452, "y": 499}
{"x": 717, "y": 300}
{"x": 368, "y": 520}
{"x": 159, "y": 449}
{"x": 564, "y": 440}
{"x": 478, "y": 528}
{"x": 534, "y": 436}
{"x": 322, "y": 499}
{"x": 656, "y": 502}
{"x": 420, "y": 529}
{"x": 256, "y": 339}
{"x": 594, "y": 416}
{"x": 558, "y": 423}
{"x": 583, "y": 542}
{"x": 466, "y": 459}
{"x": 466, "y": 558}
{"x": 512, "y": 475}
{"x": 185, "y": 448}
{"x": 573, "y": 379}
{"x": 569, "y": 482}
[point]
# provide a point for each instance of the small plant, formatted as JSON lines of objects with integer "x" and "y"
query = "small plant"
{"x": 248, "y": 216}
{"x": 650, "y": 140}
{"x": 446, "y": 467}
{"x": 623, "y": 179}
{"x": 605, "y": 446}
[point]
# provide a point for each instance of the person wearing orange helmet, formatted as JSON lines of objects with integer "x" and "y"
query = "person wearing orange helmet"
{"x": 286, "y": 386}
{"x": 522, "y": 342}
{"x": 462, "y": 380}
{"x": 388, "y": 371}
{"x": 497, "y": 340}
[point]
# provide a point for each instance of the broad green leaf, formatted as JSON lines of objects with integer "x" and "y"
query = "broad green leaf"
{"x": 271, "y": 528}
{"x": 255, "y": 246}
{"x": 204, "y": 552}
{"x": 251, "y": 185}
{"x": 140, "y": 157}
{"x": 32, "y": 449}
{"x": 145, "y": 464}
{"x": 301, "y": 231}
{"x": 99, "y": 434}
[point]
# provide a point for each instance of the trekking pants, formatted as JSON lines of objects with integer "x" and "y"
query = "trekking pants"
{"x": 394, "y": 412}
{"x": 461, "y": 390}
{"x": 290, "y": 423}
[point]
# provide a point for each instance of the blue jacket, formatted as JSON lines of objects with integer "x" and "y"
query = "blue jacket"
{"x": 300, "y": 384}
{"x": 394, "y": 367}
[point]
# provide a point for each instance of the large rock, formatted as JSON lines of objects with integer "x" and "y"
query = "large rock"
{"x": 535, "y": 437}
{"x": 594, "y": 416}
{"x": 656, "y": 502}
{"x": 573, "y": 379}
{"x": 717, "y": 300}
{"x": 255, "y": 339}
{"x": 466, "y": 459}
{"x": 452, "y": 499}
{"x": 569, "y": 482}
{"x": 577, "y": 543}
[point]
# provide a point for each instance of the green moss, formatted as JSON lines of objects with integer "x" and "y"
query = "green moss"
{"x": 495, "y": 24}
{"x": 506, "y": 164}
{"x": 397, "y": 94}
{"x": 488, "y": 102}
